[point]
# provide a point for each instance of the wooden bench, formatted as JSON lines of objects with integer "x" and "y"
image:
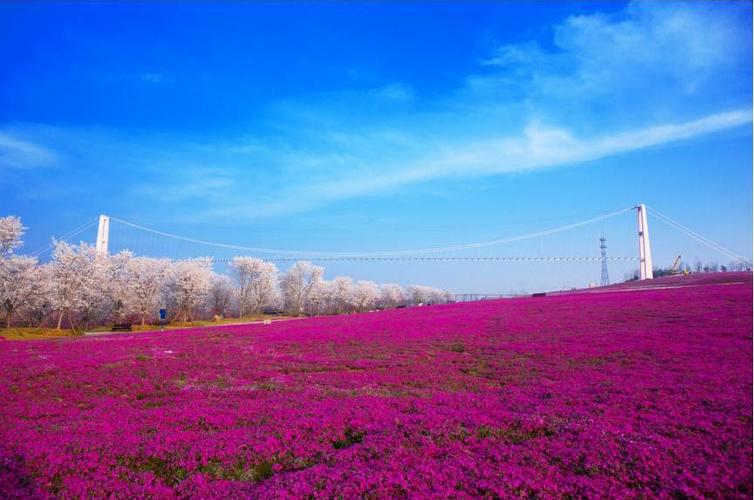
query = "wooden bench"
{"x": 122, "y": 327}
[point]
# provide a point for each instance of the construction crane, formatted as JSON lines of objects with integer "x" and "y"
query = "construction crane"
{"x": 676, "y": 267}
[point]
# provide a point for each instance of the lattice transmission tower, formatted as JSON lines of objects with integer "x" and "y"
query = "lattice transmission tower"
{"x": 604, "y": 279}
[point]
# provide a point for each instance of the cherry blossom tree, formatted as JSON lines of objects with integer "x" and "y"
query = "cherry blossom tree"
{"x": 391, "y": 295}
{"x": 146, "y": 277}
{"x": 20, "y": 285}
{"x": 39, "y": 304}
{"x": 117, "y": 285}
{"x": 257, "y": 284}
{"x": 77, "y": 277}
{"x": 317, "y": 299}
{"x": 365, "y": 294}
{"x": 297, "y": 285}
{"x": 187, "y": 287}
{"x": 82, "y": 287}
{"x": 340, "y": 296}
{"x": 419, "y": 294}
{"x": 221, "y": 294}
{"x": 11, "y": 232}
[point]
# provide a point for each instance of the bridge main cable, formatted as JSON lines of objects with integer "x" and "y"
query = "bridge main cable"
{"x": 395, "y": 253}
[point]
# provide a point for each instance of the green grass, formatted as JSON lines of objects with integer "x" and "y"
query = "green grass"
{"x": 35, "y": 333}
{"x": 28, "y": 333}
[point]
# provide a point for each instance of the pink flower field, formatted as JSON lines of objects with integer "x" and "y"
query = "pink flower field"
{"x": 632, "y": 393}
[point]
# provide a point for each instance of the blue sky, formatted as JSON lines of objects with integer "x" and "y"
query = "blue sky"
{"x": 340, "y": 126}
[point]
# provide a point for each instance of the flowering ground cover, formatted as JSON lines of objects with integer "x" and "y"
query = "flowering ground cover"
{"x": 630, "y": 393}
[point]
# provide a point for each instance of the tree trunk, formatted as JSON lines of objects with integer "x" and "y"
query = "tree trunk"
{"x": 8, "y": 306}
{"x": 60, "y": 319}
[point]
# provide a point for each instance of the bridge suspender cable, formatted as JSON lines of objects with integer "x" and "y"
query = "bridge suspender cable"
{"x": 303, "y": 253}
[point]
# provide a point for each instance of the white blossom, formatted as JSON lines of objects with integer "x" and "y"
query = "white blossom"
{"x": 365, "y": 295}
{"x": 187, "y": 287}
{"x": 77, "y": 281}
{"x": 146, "y": 279}
{"x": 340, "y": 296}
{"x": 20, "y": 285}
{"x": 419, "y": 294}
{"x": 257, "y": 281}
{"x": 297, "y": 285}
{"x": 391, "y": 295}
{"x": 221, "y": 294}
{"x": 11, "y": 232}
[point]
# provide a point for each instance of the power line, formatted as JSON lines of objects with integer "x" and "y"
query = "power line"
{"x": 435, "y": 259}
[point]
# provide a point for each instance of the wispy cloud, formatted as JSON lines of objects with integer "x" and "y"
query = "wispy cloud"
{"x": 649, "y": 61}
{"x": 20, "y": 154}
{"x": 537, "y": 147}
{"x": 197, "y": 182}
{"x": 395, "y": 92}
{"x": 609, "y": 84}
{"x": 155, "y": 78}
{"x": 603, "y": 85}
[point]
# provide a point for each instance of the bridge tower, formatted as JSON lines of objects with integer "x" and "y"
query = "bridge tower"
{"x": 604, "y": 279}
{"x": 645, "y": 253}
{"x": 103, "y": 235}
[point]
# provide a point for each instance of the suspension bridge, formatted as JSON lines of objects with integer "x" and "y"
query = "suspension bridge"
{"x": 458, "y": 253}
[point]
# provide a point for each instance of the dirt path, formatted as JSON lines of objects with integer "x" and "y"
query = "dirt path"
{"x": 258, "y": 322}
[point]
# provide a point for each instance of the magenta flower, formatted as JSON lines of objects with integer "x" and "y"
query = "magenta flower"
{"x": 624, "y": 394}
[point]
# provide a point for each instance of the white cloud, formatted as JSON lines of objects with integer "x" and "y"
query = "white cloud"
{"x": 606, "y": 84}
{"x": 155, "y": 78}
{"x": 19, "y": 154}
{"x": 687, "y": 40}
{"x": 537, "y": 147}
{"x": 196, "y": 183}
{"x": 650, "y": 60}
{"x": 397, "y": 92}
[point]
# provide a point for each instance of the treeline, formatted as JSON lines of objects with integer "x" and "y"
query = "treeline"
{"x": 78, "y": 288}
